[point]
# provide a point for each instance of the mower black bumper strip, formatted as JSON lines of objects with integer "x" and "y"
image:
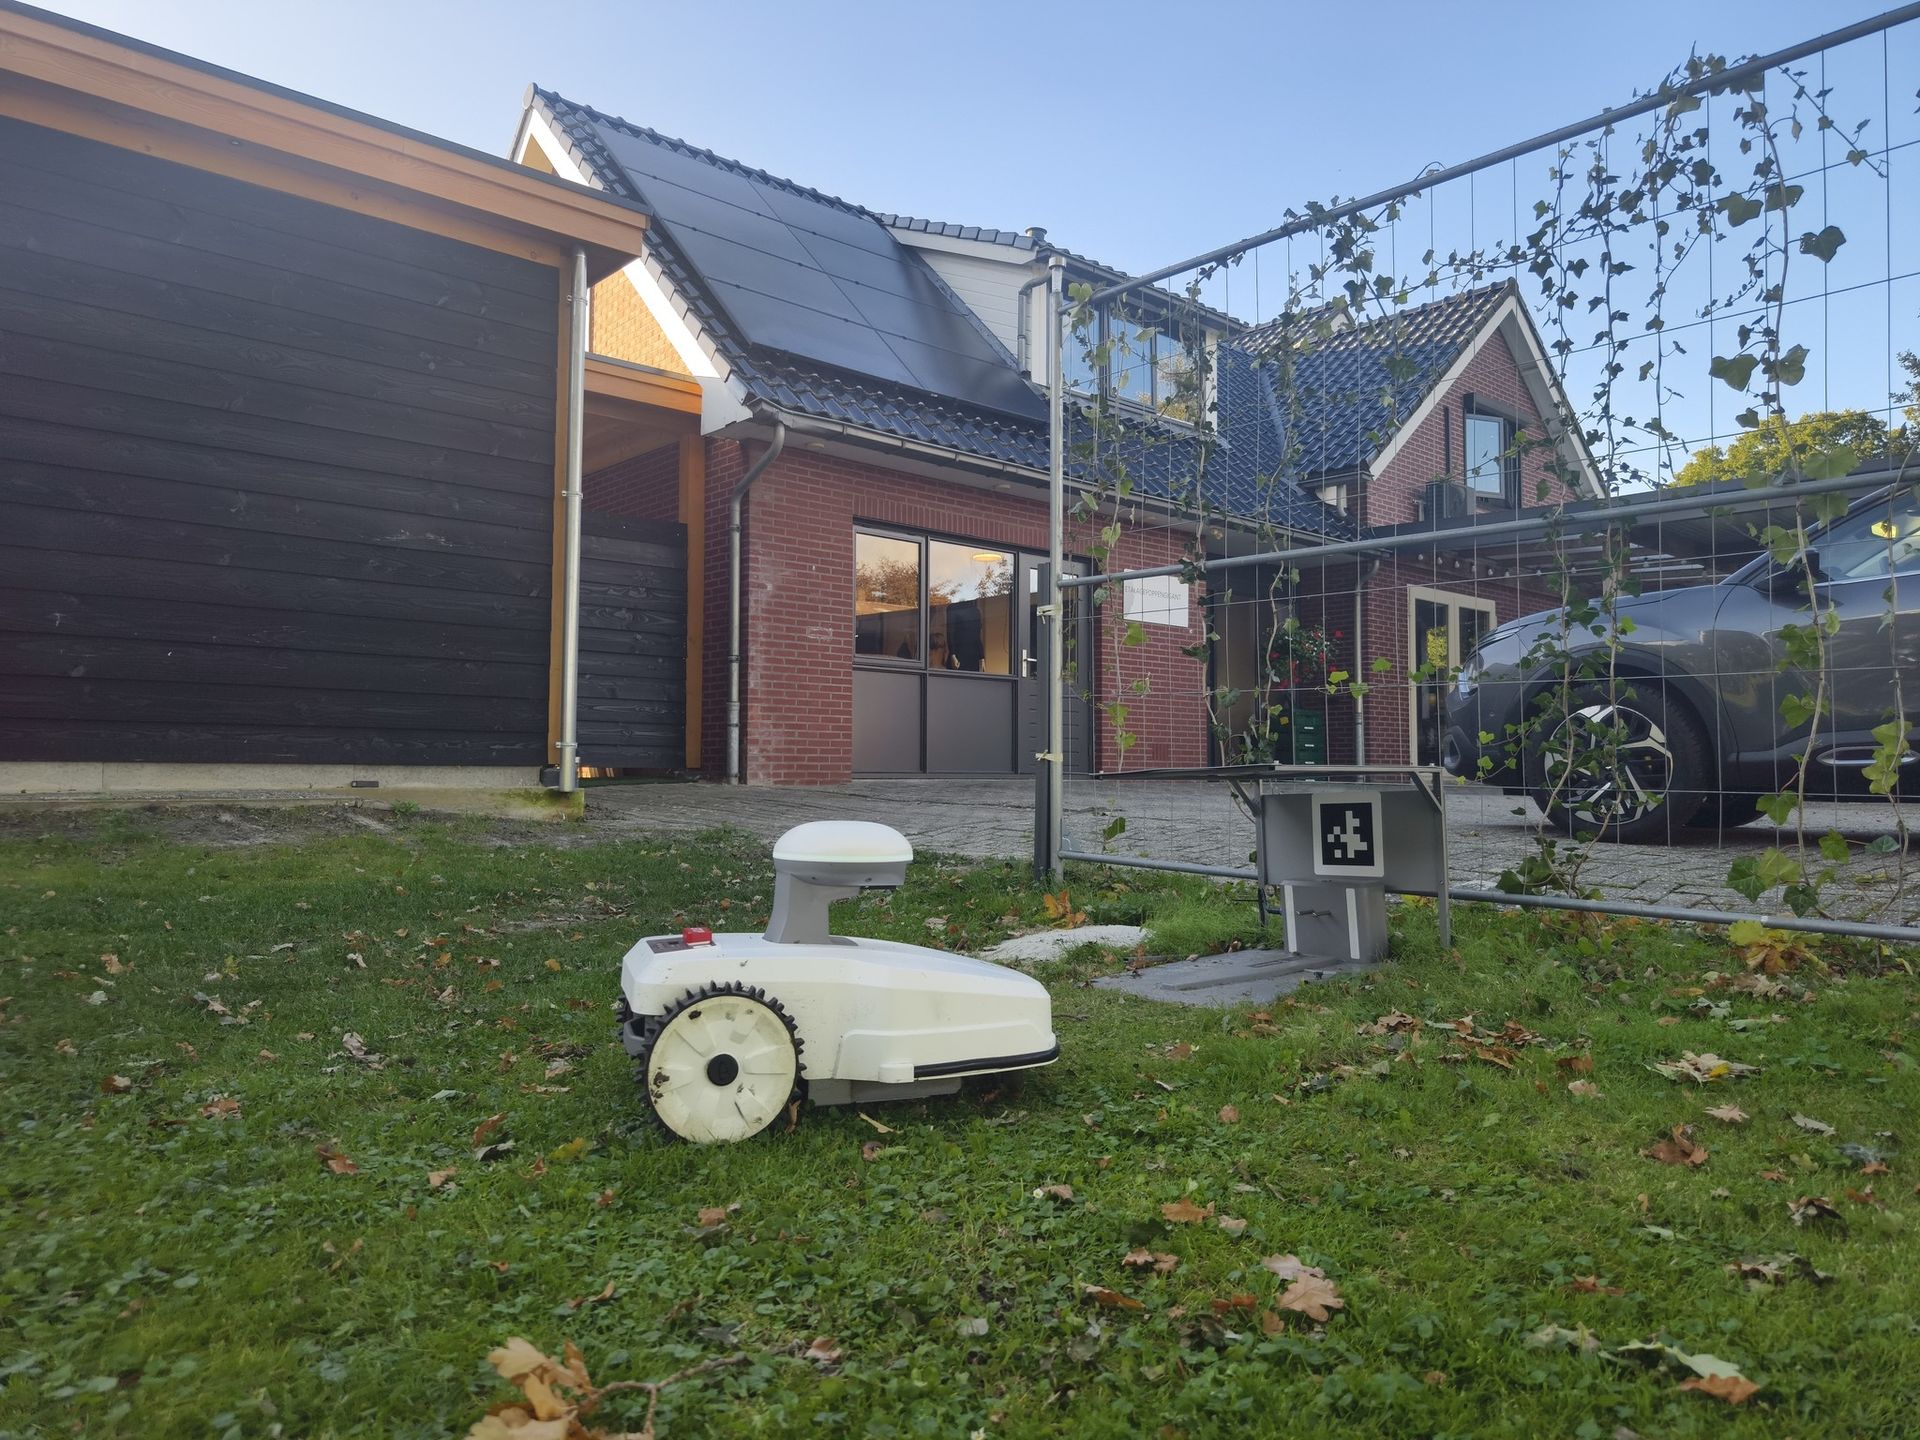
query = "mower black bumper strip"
{"x": 1001, "y": 1062}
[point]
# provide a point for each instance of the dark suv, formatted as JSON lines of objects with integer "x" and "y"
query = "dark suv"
{"x": 1690, "y": 729}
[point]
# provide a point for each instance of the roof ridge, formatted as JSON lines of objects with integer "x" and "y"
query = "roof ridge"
{"x": 696, "y": 152}
{"x": 1479, "y": 294}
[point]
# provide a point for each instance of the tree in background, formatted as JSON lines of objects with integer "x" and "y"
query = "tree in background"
{"x": 1778, "y": 445}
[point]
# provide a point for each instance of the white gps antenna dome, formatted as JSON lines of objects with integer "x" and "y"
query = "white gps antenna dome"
{"x": 827, "y": 860}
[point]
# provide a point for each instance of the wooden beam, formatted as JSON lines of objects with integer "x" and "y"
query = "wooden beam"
{"x": 642, "y": 385}
{"x": 278, "y": 138}
{"x": 693, "y": 515}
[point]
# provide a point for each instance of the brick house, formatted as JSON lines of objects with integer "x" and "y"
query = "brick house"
{"x": 879, "y": 382}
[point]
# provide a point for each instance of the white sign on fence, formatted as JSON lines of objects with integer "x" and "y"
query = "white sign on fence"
{"x": 1157, "y": 600}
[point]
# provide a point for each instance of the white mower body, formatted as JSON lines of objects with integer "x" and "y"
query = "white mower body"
{"x": 730, "y": 1027}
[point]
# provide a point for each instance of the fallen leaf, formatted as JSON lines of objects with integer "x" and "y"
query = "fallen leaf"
{"x": 1271, "y": 1323}
{"x": 1110, "y": 1299}
{"x": 488, "y": 1128}
{"x": 603, "y": 1199}
{"x": 115, "y": 1085}
{"x": 605, "y": 1295}
{"x": 572, "y": 1150}
{"x": 437, "y": 1178}
{"x": 883, "y": 1129}
{"x": 1811, "y": 1208}
{"x": 336, "y": 1162}
{"x": 354, "y": 1045}
{"x": 1231, "y": 1303}
{"x": 1229, "y": 1115}
{"x": 1703, "y": 1069}
{"x": 1590, "y": 1285}
{"x": 872, "y": 1151}
{"x": 1778, "y": 1177}
{"x": 1232, "y": 1224}
{"x": 1552, "y": 1337}
{"x": 1586, "y": 1089}
{"x": 1866, "y": 1197}
{"x": 1680, "y": 1150}
{"x": 1734, "y": 1389}
{"x": 1185, "y": 1212}
{"x": 1874, "y": 1167}
{"x": 822, "y": 1351}
{"x": 1808, "y": 1123}
{"x": 1313, "y": 1296}
{"x": 1575, "y": 1064}
{"x": 64, "y": 1047}
{"x": 714, "y": 1214}
{"x": 1062, "y": 1193}
{"x": 1157, "y": 1261}
{"x": 1434, "y": 1377}
{"x": 1728, "y": 1114}
{"x": 1291, "y": 1267}
{"x": 221, "y": 1107}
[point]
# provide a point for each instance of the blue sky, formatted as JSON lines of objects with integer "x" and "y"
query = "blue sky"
{"x": 1136, "y": 133}
{"x": 1134, "y": 136}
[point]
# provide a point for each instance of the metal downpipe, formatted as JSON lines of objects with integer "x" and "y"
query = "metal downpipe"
{"x": 568, "y": 745}
{"x": 1056, "y": 761}
{"x": 736, "y": 506}
{"x": 1360, "y": 670}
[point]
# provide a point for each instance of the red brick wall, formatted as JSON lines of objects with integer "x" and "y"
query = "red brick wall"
{"x": 646, "y": 487}
{"x": 1435, "y": 449}
{"x": 797, "y": 686}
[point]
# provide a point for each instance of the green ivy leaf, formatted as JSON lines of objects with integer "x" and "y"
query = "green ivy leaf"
{"x": 1825, "y": 244}
{"x": 1784, "y": 197}
{"x": 1382, "y": 664}
{"x": 1832, "y": 464}
{"x": 1738, "y": 209}
{"x": 1791, "y": 368}
{"x": 1736, "y": 370}
{"x": 1833, "y": 845}
{"x": 1136, "y": 634}
{"x": 1115, "y": 828}
{"x": 1779, "y": 808}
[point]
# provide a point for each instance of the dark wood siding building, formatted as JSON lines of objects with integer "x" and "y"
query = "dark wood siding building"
{"x": 282, "y": 447}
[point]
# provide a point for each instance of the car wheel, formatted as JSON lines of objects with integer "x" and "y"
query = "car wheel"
{"x": 1726, "y": 812}
{"x": 1629, "y": 766}
{"x": 721, "y": 1065}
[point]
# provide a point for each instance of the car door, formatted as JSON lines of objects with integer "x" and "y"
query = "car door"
{"x": 1869, "y": 578}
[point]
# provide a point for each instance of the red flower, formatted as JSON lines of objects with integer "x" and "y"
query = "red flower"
{"x": 1339, "y": 634}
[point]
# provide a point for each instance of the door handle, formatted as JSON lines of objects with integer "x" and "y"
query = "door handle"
{"x": 1026, "y": 665}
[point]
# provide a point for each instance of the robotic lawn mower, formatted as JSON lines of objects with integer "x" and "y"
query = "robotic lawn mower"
{"x": 729, "y": 1028}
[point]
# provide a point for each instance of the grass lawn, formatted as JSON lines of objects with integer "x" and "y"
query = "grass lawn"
{"x": 179, "y": 1258}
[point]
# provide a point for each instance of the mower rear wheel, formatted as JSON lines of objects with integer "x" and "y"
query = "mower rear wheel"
{"x": 721, "y": 1064}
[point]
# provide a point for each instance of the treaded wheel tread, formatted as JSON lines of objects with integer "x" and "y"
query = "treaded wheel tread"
{"x": 711, "y": 991}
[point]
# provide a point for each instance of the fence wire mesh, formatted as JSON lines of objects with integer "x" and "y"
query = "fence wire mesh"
{"x": 1586, "y": 474}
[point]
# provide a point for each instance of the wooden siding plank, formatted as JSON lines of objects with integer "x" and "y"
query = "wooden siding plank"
{"x": 40, "y": 148}
{"x": 105, "y": 248}
{"x": 71, "y": 449}
{"x": 79, "y": 405}
{"x": 198, "y": 220}
{"x": 207, "y": 742}
{"x": 66, "y": 697}
{"x": 231, "y": 391}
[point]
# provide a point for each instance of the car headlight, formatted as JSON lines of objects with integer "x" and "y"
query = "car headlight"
{"x": 1470, "y": 674}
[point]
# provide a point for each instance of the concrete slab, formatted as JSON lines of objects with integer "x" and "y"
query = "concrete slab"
{"x": 1049, "y": 944}
{"x": 1245, "y": 977}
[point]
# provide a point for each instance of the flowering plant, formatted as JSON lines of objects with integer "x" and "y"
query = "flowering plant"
{"x": 1300, "y": 654}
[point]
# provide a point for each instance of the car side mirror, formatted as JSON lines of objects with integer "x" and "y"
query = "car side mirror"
{"x": 1787, "y": 580}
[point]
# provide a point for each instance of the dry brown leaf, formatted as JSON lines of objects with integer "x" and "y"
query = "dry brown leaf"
{"x": 1157, "y": 1261}
{"x": 516, "y": 1358}
{"x": 1313, "y": 1296}
{"x": 1110, "y": 1299}
{"x": 1728, "y": 1114}
{"x": 1185, "y": 1212}
{"x": 1680, "y": 1150}
{"x": 437, "y": 1178}
{"x": 1291, "y": 1267}
{"x": 1734, "y": 1389}
{"x": 605, "y": 1295}
{"x": 1810, "y": 1208}
{"x": 1270, "y": 1323}
{"x": 488, "y": 1128}
{"x": 604, "y": 1199}
{"x": 1866, "y": 1197}
{"x": 115, "y": 1085}
{"x": 1586, "y": 1089}
{"x": 1229, "y": 1115}
{"x": 64, "y": 1047}
{"x": 1575, "y": 1064}
{"x": 1231, "y": 1303}
{"x": 1874, "y": 1167}
{"x": 336, "y": 1162}
{"x": 714, "y": 1214}
{"x": 1181, "y": 1051}
{"x": 1233, "y": 1225}
{"x": 1778, "y": 1177}
{"x": 221, "y": 1107}
{"x": 1062, "y": 1193}
{"x": 822, "y": 1351}
{"x": 1590, "y": 1285}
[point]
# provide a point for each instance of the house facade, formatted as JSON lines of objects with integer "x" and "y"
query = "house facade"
{"x": 875, "y": 382}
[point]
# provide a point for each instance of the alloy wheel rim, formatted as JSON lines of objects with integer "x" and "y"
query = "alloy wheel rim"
{"x": 1620, "y": 768}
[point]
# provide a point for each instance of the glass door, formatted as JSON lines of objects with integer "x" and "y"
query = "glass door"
{"x": 1078, "y": 713}
{"x": 1443, "y": 629}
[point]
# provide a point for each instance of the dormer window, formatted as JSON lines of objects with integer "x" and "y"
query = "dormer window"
{"x": 1492, "y": 460}
{"x": 1146, "y": 368}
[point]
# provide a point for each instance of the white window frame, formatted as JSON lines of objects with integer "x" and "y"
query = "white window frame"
{"x": 1455, "y": 602}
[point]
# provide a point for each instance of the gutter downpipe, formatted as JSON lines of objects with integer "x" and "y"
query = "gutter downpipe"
{"x": 568, "y": 744}
{"x": 736, "y": 506}
{"x": 1360, "y": 659}
{"x": 1056, "y": 760}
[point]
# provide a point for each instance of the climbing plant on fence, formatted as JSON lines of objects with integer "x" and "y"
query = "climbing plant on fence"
{"x": 1671, "y": 269}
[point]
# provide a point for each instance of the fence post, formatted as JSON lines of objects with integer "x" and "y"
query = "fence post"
{"x": 1046, "y": 857}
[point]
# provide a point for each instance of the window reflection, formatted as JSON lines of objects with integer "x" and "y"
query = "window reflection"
{"x": 969, "y": 608}
{"x": 886, "y": 597}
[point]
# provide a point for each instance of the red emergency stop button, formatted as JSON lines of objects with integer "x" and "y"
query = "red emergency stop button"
{"x": 696, "y": 935}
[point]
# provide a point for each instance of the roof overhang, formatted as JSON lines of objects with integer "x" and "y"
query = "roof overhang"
{"x": 86, "y": 81}
{"x": 633, "y": 409}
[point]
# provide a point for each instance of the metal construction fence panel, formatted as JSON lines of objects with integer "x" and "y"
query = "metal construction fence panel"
{"x": 1583, "y": 474}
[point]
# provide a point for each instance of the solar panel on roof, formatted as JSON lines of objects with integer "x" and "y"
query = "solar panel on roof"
{"x": 815, "y": 280}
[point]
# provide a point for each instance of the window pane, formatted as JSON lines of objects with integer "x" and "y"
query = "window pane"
{"x": 886, "y": 597}
{"x": 1077, "y": 368}
{"x": 1486, "y": 442}
{"x": 1881, "y": 540}
{"x": 1176, "y": 387}
{"x": 969, "y": 608}
{"x": 1130, "y": 360}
